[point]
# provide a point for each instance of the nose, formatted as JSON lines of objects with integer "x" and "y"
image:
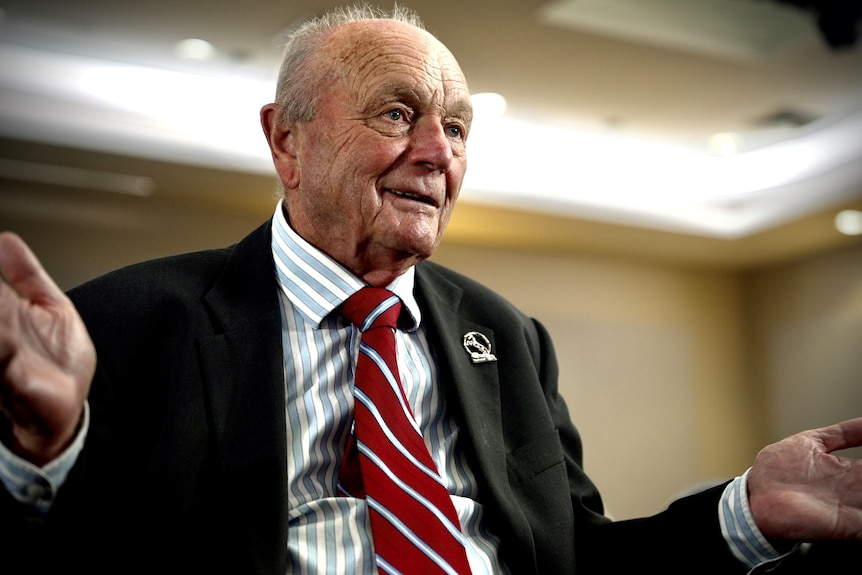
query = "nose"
{"x": 430, "y": 146}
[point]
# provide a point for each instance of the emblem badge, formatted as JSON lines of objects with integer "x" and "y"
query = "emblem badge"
{"x": 479, "y": 347}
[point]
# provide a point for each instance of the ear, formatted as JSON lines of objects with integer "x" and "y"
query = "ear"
{"x": 281, "y": 137}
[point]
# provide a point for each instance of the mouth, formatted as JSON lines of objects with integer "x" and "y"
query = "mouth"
{"x": 410, "y": 196}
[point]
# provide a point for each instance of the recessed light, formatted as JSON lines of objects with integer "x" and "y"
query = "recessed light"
{"x": 488, "y": 105}
{"x": 194, "y": 49}
{"x": 725, "y": 143}
{"x": 849, "y": 222}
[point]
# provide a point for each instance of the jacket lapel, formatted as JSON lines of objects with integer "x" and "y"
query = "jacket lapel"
{"x": 473, "y": 392}
{"x": 242, "y": 362}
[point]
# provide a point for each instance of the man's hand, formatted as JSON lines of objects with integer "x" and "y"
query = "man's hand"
{"x": 46, "y": 357}
{"x": 799, "y": 490}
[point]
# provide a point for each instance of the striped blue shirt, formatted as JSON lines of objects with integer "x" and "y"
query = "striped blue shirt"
{"x": 328, "y": 533}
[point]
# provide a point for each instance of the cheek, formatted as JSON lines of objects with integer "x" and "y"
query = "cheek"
{"x": 454, "y": 180}
{"x": 361, "y": 164}
{"x": 443, "y": 222}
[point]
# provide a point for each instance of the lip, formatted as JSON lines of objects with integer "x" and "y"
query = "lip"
{"x": 412, "y": 196}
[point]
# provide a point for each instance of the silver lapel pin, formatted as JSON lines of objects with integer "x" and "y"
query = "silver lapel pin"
{"x": 479, "y": 347}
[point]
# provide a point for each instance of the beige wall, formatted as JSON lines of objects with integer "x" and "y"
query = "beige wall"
{"x": 806, "y": 334}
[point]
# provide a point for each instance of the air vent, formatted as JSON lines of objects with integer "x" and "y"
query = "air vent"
{"x": 719, "y": 28}
{"x": 785, "y": 118}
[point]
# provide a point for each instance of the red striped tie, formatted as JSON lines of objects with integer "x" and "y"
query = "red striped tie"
{"x": 413, "y": 522}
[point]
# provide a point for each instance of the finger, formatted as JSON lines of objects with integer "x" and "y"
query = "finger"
{"x": 841, "y": 435}
{"x": 23, "y": 272}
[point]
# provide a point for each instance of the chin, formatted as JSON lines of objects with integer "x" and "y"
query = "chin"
{"x": 418, "y": 250}
{"x": 421, "y": 242}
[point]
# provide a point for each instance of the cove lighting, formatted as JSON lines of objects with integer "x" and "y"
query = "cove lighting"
{"x": 519, "y": 156}
{"x": 211, "y": 111}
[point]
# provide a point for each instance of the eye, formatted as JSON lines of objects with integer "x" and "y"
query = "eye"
{"x": 455, "y": 131}
{"x": 396, "y": 115}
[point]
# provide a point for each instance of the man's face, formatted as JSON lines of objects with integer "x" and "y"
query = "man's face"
{"x": 381, "y": 165}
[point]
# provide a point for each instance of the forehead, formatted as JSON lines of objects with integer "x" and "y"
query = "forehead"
{"x": 377, "y": 55}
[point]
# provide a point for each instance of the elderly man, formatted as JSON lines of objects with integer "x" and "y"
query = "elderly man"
{"x": 246, "y": 413}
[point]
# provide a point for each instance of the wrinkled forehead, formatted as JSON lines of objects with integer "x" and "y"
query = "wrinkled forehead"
{"x": 370, "y": 52}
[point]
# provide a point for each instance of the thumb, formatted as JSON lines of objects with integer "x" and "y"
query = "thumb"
{"x": 21, "y": 269}
{"x": 841, "y": 435}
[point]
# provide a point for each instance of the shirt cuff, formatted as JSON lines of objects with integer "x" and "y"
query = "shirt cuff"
{"x": 745, "y": 540}
{"x": 37, "y": 486}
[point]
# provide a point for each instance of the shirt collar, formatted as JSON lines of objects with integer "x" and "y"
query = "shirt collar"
{"x": 316, "y": 284}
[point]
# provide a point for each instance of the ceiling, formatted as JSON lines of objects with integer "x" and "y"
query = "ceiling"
{"x": 605, "y": 143}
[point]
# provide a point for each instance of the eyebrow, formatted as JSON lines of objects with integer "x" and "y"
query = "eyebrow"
{"x": 463, "y": 109}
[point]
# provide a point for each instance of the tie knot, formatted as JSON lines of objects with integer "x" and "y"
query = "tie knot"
{"x": 372, "y": 307}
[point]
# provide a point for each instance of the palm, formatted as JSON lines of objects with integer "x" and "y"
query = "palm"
{"x": 799, "y": 489}
{"x": 46, "y": 353}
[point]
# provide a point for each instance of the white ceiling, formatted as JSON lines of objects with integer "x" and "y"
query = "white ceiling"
{"x": 611, "y": 103}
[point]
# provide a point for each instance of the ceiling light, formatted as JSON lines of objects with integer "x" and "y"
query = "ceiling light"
{"x": 849, "y": 222}
{"x": 195, "y": 49}
{"x": 488, "y": 105}
{"x": 725, "y": 143}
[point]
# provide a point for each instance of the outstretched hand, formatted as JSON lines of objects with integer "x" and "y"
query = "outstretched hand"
{"x": 800, "y": 490}
{"x": 46, "y": 357}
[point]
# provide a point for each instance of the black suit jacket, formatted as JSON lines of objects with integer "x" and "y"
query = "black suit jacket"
{"x": 185, "y": 462}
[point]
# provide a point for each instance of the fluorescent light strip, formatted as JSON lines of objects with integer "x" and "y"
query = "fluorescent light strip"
{"x": 80, "y": 178}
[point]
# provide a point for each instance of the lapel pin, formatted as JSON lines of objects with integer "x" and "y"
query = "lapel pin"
{"x": 479, "y": 347}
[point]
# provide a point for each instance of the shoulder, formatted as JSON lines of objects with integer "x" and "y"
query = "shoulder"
{"x": 167, "y": 285}
{"x": 140, "y": 299}
{"x": 179, "y": 273}
{"x": 431, "y": 275}
{"x": 437, "y": 284}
